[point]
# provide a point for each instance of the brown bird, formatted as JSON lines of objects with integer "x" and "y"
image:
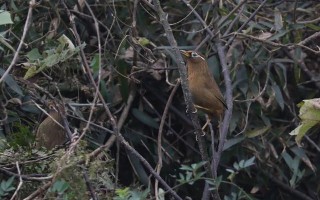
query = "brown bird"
{"x": 205, "y": 92}
{"x": 50, "y": 132}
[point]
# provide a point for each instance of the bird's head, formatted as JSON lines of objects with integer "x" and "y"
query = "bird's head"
{"x": 193, "y": 57}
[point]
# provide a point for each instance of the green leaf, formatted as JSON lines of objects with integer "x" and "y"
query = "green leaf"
{"x": 123, "y": 68}
{"x": 303, "y": 156}
{"x": 145, "y": 118}
{"x": 257, "y": 131}
{"x": 5, "y": 17}
{"x": 95, "y": 63}
{"x": 104, "y": 91}
{"x": 249, "y": 162}
{"x": 287, "y": 158}
{"x": 143, "y": 41}
{"x": 278, "y": 96}
{"x": 313, "y": 27}
{"x": 233, "y": 141}
{"x": 11, "y": 83}
{"x": 34, "y": 55}
{"x": 60, "y": 186}
{"x": 30, "y": 72}
{"x": 186, "y": 168}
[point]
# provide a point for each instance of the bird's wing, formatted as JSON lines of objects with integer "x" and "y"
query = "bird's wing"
{"x": 217, "y": 93}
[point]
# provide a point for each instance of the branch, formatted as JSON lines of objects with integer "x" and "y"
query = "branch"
{"x": 163, "y": 119}
{"x": 32, "y": 4}
{"x": 184, "y": 83}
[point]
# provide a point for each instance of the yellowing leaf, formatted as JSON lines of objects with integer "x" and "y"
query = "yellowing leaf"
{"x": 31, "y": 72}
{"x": 310, "y": 116}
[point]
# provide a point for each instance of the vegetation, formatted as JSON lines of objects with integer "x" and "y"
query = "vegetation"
{"x": 111, "y": 74}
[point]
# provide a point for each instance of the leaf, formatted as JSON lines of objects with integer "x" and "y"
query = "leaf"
{"x": 5, "y": 17}
{"x": 105, "y": 92}
{"x": 138, "y": 168}
{"x": 278, "y": 96}
{"x": 278, "y": 35}
{"x": 186, "y": 168}
{"x": 64, "y": 40}
{"x": 123, "y": 80}
{"x": 145, "y": 118}
{"x": 11, "y": 83}
{"x": 233, "y": 141}
{"x": 313, "y": 27}
{"x": 34, "y": 55}
{"x": 30, "y": 72}
{"x": 278, "y": 23}
{"x": 257, "y": 131}
{"x": 214, "y": 67}
{"x": 303, "y": 156}
{"x": 143, "y": 41}
{"x": 249, "y": 162}
{"x": 287, "y": 158}
{"x": 95, "y": 63}
{"x": 310, "y": 116}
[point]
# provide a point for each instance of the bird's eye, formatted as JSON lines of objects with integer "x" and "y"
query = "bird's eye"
{"x": 194, "y": 54}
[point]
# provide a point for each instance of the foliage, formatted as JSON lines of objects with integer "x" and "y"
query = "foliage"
{"x": 273, "y": 58}
{"x": 6, "y": 186}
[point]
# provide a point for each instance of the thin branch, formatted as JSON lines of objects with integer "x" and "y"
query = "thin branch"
{"x": 89, "y": 185}
{"x": 229, "y": 100}
{"x": 39, "y": 191}
{"x": 148, "y": 166}
{"x": 205, "y": 26}
{"x": 164, "y": 115}
{"x": 184, "y": 82}
{"x": 287, "y": 188}
{"x": 245, "y": 24}
{"x": 32, "y": 4}
{"x": 20, "y": 182}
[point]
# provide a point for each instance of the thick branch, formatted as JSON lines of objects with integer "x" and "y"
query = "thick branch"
{"x": 184, "y": 82}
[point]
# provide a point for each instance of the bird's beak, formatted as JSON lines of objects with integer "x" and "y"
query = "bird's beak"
{"x": 185, "y": 53}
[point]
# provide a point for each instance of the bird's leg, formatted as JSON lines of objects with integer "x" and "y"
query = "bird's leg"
{"x": 207, "y": 122}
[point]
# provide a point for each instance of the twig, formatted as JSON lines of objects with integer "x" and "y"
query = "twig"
{"x": 26, "y": 177}
{"x": 121, "y": 121}
{"x": 310, "y": 38}
{"x": 148, "y": 166}
{"x": 208, "y": 37}
{"x": 309, "y": 21}
{"x": 20, "y": 182}
{"x": 32, "y": 4}
{"x": 205, "y": 26}
{"x": 38, "y": 191}
{"x": 312, "y": 143}
{"x": 233, "y": 11}
{"x": 89, "y": 185}
{"x": 287, "y": 188}
{"x": 164, "y": 115}
{"x": 244, "y": 24}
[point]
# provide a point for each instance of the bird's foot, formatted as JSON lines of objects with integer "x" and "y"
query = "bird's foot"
{"x": 195, "y": 110}
{"x": 203, "y": 133}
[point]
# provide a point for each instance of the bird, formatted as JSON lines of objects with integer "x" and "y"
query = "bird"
{"x": 50, "y": 131}
{"x": 205, "y": 91}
